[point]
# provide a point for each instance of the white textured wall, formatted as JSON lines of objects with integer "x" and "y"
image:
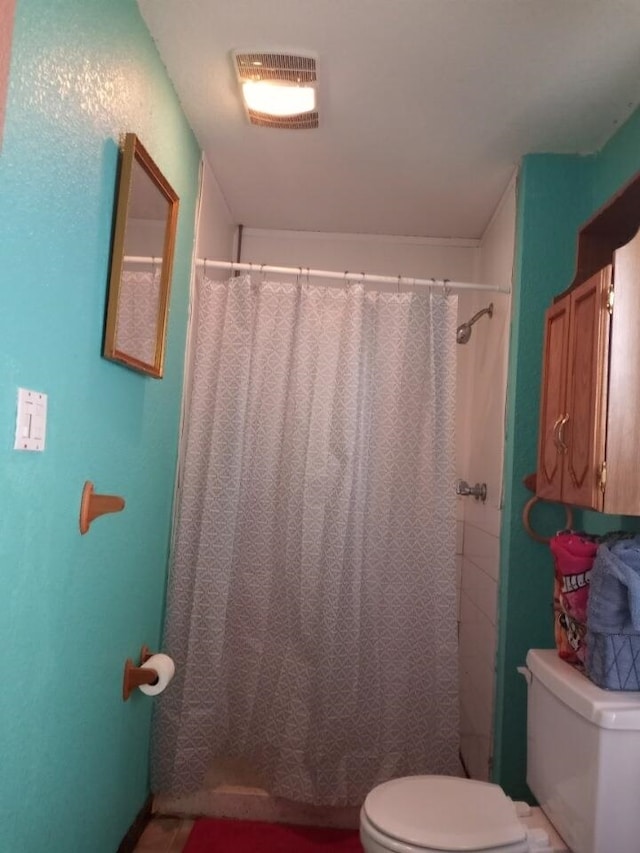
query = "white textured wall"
{"x": 482, "y": 381}
{"x": 215, "y": 227}
{"x": 410, "y": 256}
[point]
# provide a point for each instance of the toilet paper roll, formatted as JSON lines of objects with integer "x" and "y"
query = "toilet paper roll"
{"x": 165, "y": 668}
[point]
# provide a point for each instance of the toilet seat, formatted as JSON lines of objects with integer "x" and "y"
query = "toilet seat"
{"x": 442, "y": 813}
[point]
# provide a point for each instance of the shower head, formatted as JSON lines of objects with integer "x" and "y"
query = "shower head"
{"x": 463, "y": 332}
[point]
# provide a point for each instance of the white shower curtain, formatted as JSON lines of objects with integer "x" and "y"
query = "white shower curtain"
{"x": 311, "y": 609}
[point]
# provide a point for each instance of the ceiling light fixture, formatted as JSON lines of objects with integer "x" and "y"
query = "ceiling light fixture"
{"x": 279, "y": 89}
{"x": 278, "y": 99}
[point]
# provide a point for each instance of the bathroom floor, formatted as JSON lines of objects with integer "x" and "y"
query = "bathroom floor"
{"x": 165, "y": 835}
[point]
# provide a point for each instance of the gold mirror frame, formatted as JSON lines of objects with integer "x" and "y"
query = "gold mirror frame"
{"x": 141, "y": 263}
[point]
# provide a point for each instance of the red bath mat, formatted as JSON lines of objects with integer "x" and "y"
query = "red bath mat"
{"x": 243, "y": 836}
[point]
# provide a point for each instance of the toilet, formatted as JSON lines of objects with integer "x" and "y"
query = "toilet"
{"x": 583, "y": 766}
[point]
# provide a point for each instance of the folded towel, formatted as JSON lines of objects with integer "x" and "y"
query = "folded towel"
{"x": 614, "y": 597}
{"x": 613, "y": 617}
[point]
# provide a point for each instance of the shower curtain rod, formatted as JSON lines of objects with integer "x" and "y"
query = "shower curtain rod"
{"x": 365, "y": 278}
{"x": 351, "y": 276}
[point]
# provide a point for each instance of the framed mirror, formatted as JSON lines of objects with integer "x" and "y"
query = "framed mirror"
{"x": 141, "y": 263}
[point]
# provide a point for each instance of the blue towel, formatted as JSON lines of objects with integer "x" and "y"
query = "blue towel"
{"x": 613, "y": 617}
{"x": 614, "y": 595}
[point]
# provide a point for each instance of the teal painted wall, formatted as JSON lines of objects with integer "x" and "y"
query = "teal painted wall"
{"x": 556, "y": 195}
{"x": 74, "y": 757}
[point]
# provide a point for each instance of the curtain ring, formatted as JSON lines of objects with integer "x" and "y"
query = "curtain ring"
{"x": 526, "y": 523}
{"x": 346, "y": 278}
{"x": 308, "y": 274}
{"x": 445, "y": 287}
{"x": 262, "y": 266}
{"x": 298, "y": 276}
{"x": 398, "y": 286}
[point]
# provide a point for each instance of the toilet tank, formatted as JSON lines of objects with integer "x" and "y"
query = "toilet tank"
{"x": 583, "y": 756}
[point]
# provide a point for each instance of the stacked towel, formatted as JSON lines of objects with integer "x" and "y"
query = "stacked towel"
{"x": 613, "y": 617}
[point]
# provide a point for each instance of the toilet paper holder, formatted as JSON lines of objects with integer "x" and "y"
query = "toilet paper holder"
{"x": 134, "y": 675}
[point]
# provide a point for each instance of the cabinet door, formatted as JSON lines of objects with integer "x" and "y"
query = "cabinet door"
{"x": 552, "y": 404}
{"x": 622, "y": 494}
{"x": 583, "y": 430}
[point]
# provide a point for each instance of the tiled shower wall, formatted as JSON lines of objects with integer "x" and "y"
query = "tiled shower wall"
{"x": 482, "y": 372}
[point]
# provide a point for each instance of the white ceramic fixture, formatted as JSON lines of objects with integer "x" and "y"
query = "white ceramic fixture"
{"x": 583, "y": 765}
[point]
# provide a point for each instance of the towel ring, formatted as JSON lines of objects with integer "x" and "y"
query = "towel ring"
{"x": 527, "y": 524}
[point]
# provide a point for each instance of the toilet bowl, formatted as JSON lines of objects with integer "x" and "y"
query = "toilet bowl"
{"x": 432, "y": 814}
{"x": 583, "y": 755}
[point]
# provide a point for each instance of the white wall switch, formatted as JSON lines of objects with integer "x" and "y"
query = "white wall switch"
{"x": 31, "y": 421}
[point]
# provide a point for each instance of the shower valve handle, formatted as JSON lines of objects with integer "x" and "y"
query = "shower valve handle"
{"x": 479, "y": 491}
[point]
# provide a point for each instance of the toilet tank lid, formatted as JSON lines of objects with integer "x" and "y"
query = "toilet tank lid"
{"x": 444, "y": 812}
{"x": 607, "y": 709}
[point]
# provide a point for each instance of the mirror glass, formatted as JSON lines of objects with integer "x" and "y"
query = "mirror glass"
{"x": 141, "y": 263}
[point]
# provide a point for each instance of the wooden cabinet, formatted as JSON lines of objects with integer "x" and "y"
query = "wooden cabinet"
{"x": 589, "y": 438}
{"x": 571, "y": 438}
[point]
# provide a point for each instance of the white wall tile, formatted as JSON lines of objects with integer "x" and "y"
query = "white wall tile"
{"x": 476, "y": 754}
{"x": 475, "y": 738}
{"x": 484, "y": 516}
{"x": 483, "y": 549}
{"x": 481, "y": 588}
{"x": 459, "y": 535}
{"x": 477, "y": 642}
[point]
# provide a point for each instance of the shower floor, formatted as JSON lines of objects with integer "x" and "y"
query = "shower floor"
{"x": 246, "y": 802}
{"x": 207, "y": 835}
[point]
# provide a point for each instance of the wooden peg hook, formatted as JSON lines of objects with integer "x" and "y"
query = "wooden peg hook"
{"x": 530, "y": 482}
{"x": 93, "y": 505}
{"x": 135, "y": 676}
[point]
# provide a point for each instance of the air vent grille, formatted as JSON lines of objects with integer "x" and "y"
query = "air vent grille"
{"x": 302, "y": 121}
{"x": 276, "y": 66}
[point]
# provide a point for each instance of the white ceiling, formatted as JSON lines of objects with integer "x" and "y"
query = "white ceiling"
{"x": 425, "y": 105}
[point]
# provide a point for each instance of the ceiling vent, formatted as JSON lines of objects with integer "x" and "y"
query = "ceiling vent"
{"x": 280, "y": 75}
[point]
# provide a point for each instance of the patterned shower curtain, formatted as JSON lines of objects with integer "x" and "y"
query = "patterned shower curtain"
{"x": 311, "y": 609}
{"x": 139, "y": 307}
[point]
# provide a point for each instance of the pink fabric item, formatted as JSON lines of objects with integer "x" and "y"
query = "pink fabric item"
{"x": 573, "y": 557}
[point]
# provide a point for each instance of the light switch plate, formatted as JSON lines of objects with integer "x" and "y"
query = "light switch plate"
{"x": 31, "y": 420}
